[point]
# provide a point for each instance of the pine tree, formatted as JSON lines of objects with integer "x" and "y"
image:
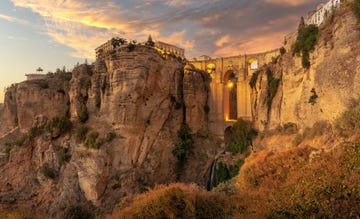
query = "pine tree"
{"x": 150, "y": 42}
{"x": 301, "y": 24}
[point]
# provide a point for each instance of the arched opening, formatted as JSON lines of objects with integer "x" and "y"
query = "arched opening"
{"x": 253, "y": 65}
{"x": 230, "y": 96}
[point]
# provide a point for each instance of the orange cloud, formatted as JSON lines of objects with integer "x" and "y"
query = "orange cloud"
{"x": 223, "y": 40}
{"x": 13, "y": 19}
{"x": 289, "y": 2}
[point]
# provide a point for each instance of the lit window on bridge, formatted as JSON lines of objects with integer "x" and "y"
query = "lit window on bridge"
{"x": 254, "y": 65}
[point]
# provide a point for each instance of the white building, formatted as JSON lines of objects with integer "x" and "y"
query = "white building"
{"x": 322, "y": 11}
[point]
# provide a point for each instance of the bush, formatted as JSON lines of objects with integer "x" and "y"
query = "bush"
{"x": 65, "y": 155}
{"x": 253, "y": 79}
{"x": 34, "y": 132}
{"x": 81, "y": 133}
{"x": 282, "y": 50}
{"x": 8, "y": 148}
{"x": 305, "y": 43}
{"x": 48, "y": 171}
{"x": 83, "y": 114}
{"x": 313, "y": 97}
{"x": 93, "y": 141}
{"x": 206, "y": 109}
{"x": 289, "y": 128}
{"x": 203, "y": 133}
{"x": 273, "y": 85}
{"x": 349, "y": 122}
{"x": 298, "y": 139}
{"x": 43, "y": 85}
{"x": 224, "y": 172}
{"x": 110, "y": 136}
{"x": 61, "y": 124}
{"x": 239, "y": 137}
{"x": 86, "y": 83}
{"x": 78, "y": 212}
{"x": 356, "y": 9}
{"x": 98, "y": 100}
{"x": 20, "y": 140}
{"x": 184, "y": 146}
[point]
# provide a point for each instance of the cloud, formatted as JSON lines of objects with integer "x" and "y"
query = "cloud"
{"x": 223, "y": 40}
{"x": 213, "y": 27}
{"x": 13, "y": 19}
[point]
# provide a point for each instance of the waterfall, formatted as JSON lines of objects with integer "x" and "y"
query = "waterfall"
{"x": 212, "y": 178}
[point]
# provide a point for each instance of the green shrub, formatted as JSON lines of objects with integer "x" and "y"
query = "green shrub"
{"x": 81, "y": 133}
{"x": 203, "y": 133}
{"x": 16, "y": 121}
{"x": 349, "y": 122}
{"x": 83, "y": 114}
{"x": 116, "y": 186}
{"x": 305, "y": 42}
{"x": 298, "y": 139}
{"x": 313, "y": 97}
{"x": 289, "y": 128}
{"x": 273, "y": 85}
{"x": 93, "y": 141}
{"x": 34, "y": 132}
{"x": 240, "y": 137}
{"x": 77, "y": 212}
{"x": 60, "y": 123}
{"x": 110, "y": 136}
{"x": 184, "y": 146}
{"x": 8, "y": 148}
{"x": 224, "y": 172}
{"x": 43, "y": 85}
{"x": 319, "y": 128}
{"x": 356, "y": 9}
{"x": 98, "y": 100}
{"x": 65, "y": 155}
{"x": 86, "y": 83}
{"x": 178, "y": 105}
{"x": 253, "y": 79}
{"x": 282, "y": 50}
{"x": 48, "y": 171}
{"x": 20, "y": 140}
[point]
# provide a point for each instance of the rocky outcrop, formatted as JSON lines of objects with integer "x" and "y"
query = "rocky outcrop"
{"x": 27, "y": 100}
{"x": 332, "y": 81}
{"x": 139, "y": 97}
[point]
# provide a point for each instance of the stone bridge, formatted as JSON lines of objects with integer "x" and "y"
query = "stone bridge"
{"x": 229, "y": 97}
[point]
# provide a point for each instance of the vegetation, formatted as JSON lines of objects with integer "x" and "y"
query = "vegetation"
{"x": 65, "y": 155}
{"x": 239, "y": 137}
{"x": 81, "y": 133}
{"x": 253, "y": 79}
{"x": 225, "y": 172}
{"x": 184, "y": 146}
{"x": 77, "y": 212}
{"x": 131, "y": 46}
{"x": 34, "y": 132}
{"x": 273, "y": 85}
{"x": 305, "y": 42}
{"x": 48, "y": 171}
{"x": 93, "y": 141}
{"x": 116, "y": 41}
{"x": 98, "y": 100}
{"x": 288, "y": 128}
{"x": 282, "y": 50}
{"x": 83, "y": 114}
{"x": 206, "y": 108}
{"x": 60, "y": 124}
{"x": 178, "y": 201}
{"x": 356, "y": 9}
{"x": 110, "y": 136}
{"x": 8, "y": 148}
{"x": 313, "y": 97}
{"x": 150, "y": 42}
{"x": 349, "y": 122}
{"x": 43, "y": 85}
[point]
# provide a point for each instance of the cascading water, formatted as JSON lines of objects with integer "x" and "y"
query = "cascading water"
{"x": 212, "y": 178}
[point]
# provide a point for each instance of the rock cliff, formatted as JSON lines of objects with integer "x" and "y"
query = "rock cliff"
{"x": 125, "y": 112}
{"x": 320, "y": 93}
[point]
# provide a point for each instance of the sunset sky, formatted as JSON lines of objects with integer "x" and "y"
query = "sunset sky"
{"x": 56, "y": 33}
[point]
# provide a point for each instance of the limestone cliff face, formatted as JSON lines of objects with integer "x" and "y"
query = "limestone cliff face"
{"x": 138, "y": 95}
{"x": 31, "y": 99}
{"x": 334, "y": 76}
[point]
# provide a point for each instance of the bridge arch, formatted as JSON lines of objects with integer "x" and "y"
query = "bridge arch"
{"x": 230, "y": 96}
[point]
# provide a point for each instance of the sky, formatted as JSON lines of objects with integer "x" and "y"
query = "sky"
{"x": 54, "y": 33}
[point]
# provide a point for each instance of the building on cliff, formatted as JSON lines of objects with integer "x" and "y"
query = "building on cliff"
{"x": 31, "y": 77}
{"x": 322, "y": 11}
{"x": 107, "y": 47}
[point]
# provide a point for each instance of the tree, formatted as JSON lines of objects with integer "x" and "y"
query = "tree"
{"x": 150, "y": 42}
{"x": 116, "y": 41}
{"x": 39, "y": 69}
{"x": 301, "y": 24}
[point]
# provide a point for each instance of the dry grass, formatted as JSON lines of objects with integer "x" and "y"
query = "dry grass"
{"x": 177, "y": 201}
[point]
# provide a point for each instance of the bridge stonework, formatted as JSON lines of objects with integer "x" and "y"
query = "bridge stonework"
{"x": 229, "y": 97}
